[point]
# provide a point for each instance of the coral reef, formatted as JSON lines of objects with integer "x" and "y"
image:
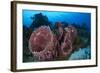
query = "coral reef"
{"x": 45, "y": 39}
{"x": 82, "y": 53}
{"x": 46, "y": 46}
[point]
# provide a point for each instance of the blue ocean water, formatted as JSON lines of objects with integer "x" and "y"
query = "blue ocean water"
{"x": 53, "y": 16}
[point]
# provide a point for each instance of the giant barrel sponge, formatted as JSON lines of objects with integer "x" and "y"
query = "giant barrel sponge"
{"x": 46, "y": 46}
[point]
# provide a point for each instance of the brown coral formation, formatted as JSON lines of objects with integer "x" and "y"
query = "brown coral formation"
{"x": 46, "y": 46}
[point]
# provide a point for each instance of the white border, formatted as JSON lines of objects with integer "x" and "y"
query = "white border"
{"x": 34, "y": 65}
